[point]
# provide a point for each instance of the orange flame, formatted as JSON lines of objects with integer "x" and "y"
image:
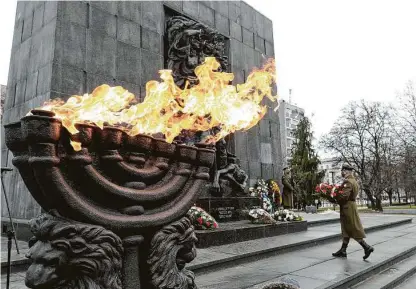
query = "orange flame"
{"x": 167, "y": 109}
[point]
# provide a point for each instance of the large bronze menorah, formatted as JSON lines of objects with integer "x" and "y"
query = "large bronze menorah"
{"x": 115, "y": 209}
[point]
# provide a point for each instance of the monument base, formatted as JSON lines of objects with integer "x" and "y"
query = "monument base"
{"x": 228, "y": 208}
{"x": 239, "y": 231}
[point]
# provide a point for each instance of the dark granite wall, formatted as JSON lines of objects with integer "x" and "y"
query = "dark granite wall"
{"x": 65, "y": 48}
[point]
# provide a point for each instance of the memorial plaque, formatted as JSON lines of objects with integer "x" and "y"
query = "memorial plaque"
{"x": 228, "y": 209}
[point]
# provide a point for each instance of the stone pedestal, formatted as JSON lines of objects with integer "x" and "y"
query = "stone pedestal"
{"x": 311, "y": 209}
{"x": 228, "y": 209}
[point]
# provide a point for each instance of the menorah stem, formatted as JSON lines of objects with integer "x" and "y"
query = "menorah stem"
{"x": 131, "y": 270}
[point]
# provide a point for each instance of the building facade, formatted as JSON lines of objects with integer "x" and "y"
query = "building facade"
{"x": 289, "y": 117}
{"x": 332, "y": 169}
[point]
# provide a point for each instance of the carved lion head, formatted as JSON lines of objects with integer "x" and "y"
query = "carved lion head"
{"x": 171, "y": 248}
{"x": 67, "y": 254}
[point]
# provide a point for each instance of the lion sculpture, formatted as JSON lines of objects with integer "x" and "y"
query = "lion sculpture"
{"x": 170, "y": 249}
{"x": 67, "y": 254}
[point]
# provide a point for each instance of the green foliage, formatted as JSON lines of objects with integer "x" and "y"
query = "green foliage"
{"x": 304, "y": 164}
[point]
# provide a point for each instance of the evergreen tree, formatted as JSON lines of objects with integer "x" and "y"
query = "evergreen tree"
{"x": 304, "y": 164}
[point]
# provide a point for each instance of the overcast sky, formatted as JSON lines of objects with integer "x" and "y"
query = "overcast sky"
{"x": 327, "y": 51}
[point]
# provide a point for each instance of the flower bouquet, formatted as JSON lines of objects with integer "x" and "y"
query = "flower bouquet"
{"x": 328, "y": 191}
{"x": 286, "y": 216}
{"x": 200, "y": 219}
{"x": 261, "y": 190}
{"x": 260, "y": 216}
{"x": 274, "y": 193}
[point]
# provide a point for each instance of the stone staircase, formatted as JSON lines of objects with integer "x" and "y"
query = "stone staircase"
{"x": 304, "y": 256}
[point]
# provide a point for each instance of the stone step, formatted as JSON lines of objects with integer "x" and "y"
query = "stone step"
{"x": 315, "y": 268}
{"x": 223, "y": 256}
{"x": 392, "y": 276}
{"x": 240, "y": 231}
{"x": 409, "y": 283}
{"x": 244, "y": 230}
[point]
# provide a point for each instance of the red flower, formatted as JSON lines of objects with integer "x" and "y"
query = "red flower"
{"x": 208, "y": 224}
{"x": 199, "y": 220}
{"x": 215, "y": 225}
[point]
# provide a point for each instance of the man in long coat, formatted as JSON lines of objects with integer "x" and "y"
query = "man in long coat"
{"x": 351, "y": 226}
{"x": 287, "y": 189}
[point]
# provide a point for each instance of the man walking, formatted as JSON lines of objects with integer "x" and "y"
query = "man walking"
{"x": 351, "y": 226}
{"x": 287, "y": 189}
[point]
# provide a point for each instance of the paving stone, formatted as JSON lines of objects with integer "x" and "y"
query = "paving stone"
{"x": 103, "y": 21}
{"x": 23, "y": 56}
{"x": 94, "y": 80}
{"x": 100, "y": 54}
{"x": 237, "y": 277}
{"x": 41, "y": 47}
{"x": 206, "y": 15}
{"x": 128, "y": 63}
{"x": 238, "y": 75}
{"x": 408, "y": 284}
{"x": 269, "y": 48}
{"x": 44, "y": 79}
{"x": 27, "y": 27}
{"x": 267, "y": 170}
{"x": 247, "y": 16}
{"x": 259, "y": 20}
{"x": 150, "y": 65}
{"x": 234, "y": 11}
{"x": 20, "y": 92}
{"x": 17, "y": 33}
{"x": 177, "y": 5}
{"x": 4, "y": 152}
{"x": 109, "y": 6}
{"x": 152, "y": 41}
{"x": 219, "y": 6}
{"x": 51, "y": 10}
{"x": 20, "y": 10}
{"x": 67, "y": 79}
{"x": 222, "y": 24}
{"x": 73, "y": 11}
{"x": 248, "y": 37}
{"x": 241, "y": 145}
{"x": 128, "y": 32}
{"x": 304, "y": 282}
{"x": 10, "y": 96}
{"x": 38, "y": 18}
{"x": 268, "y": 29}
{"x": 152, "y": 15}
{"x": 236, "y": 52}
{"x": 254, "y": 168}
{"x": 191, "y": 8}
{"x": 130, "y": 10}
{"x": 248, "y": 54}
{"x": 70, "y": 43}
{"x": 259, "y": 44}
{"x": 266, "y": 156}
{"x": 31, "y": 84}
{"x": 235, "y": 31}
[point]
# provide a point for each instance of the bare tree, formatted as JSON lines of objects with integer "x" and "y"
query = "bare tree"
{"x": 359, "y": 138}
{"x": 405, "y": 129}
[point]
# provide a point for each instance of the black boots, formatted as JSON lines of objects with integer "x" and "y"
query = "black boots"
{"x": 341, "y": 252}
{"x": 367, "y": 249}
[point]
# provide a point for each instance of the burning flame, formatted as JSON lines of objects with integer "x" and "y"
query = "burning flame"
{"x": 167, "y": 109}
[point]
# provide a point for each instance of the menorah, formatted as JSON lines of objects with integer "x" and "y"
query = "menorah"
{"x": 116, "y": 208}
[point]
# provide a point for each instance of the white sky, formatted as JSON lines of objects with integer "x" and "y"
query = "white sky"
{"x": 328, "y": 51}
